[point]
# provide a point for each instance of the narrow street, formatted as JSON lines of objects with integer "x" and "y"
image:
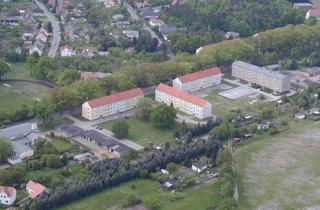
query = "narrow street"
{"x": 55, "y": 42}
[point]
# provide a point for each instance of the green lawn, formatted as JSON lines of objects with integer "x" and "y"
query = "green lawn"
{"x": 30, "y": 89}
{"x": 19, "y": 71}
{"x": 10, "y": 99}
{"x": 61, "y": 144}
{"x": 199, "y": 199}
{"x": 144, "y": 133}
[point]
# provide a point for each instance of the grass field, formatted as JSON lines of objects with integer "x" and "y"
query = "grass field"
{"x": 199, "y": 199}
{"x": 281, "y": 172}
{"x": 61, "y": 144}
{"x": 144, "y": 133}
{"x": 19, "y": 71}
{"x": 222, "y": 106}
{"x": 10, "y": 99}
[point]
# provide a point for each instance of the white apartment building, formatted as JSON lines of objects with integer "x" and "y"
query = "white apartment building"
{"x": 257, "y": 75}
{"x": 183, "y": 101}
{"x": 111, "y": 104}
{"x": 198, "y": 80}
{"x": 7, "y": 195}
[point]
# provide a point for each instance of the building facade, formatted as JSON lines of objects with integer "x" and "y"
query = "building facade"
{"x": 183, "y": 101}
{"x": 198, "y": 80}
{"x": 7, "y": 195}
{"x": 257, "y": 75}
{"x": 111, "y": 104}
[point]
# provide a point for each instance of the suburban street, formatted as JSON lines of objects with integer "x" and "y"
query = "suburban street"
{"x": 55, "y": 30}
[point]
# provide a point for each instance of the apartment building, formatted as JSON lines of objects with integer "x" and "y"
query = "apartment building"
{"x": 111, "y": 104}
{"x": 183, "y": 101}
{"x": 257, "y": 75}
{"x": 198, "y": 80}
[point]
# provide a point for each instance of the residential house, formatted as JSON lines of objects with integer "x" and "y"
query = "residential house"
{"x": 42, "y": 35}
{"x": 313, "y": 13}
{"x": 148, "y": 13}
{"x": 34, "y": 189}
{"x": 83, "y": 157}
{"x": 7, "y": 195}
{"x": 37, "y": 47}
{"x": 109, "y": 3}
{"x": 199, "y": 166}
{"x": 155, "y": 22}
{"x": 122, "y": 24}
{"x": 166, "y": 29}
{"x": 231, "y": 35}
{"x": 68, "y": 131}
{"x": 86, "y": 75}
{"x": 304, "y": 6}
{"x": 67, "y": 51}
{"x": 22, "y": 136}
{"x": 272, "y": 80}
{"x": 131, "y": 34}
{"x": 198, "y": 80}
{"x": 111, "y": 104}
{"x": 111, "y": 145}
{"x": 52, "y": 3}
{"x": 88, "y": 53}
{"x": 183, "y": 101}
{"x": 117, "y": 17}
{"x": 312, "y": 72}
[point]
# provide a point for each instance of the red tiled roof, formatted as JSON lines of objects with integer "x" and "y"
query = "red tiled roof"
{"x": 7, "y": 190}
{"x": 115, "y": 97}
{"x": 314, "y": 12}
{"x": 199, "y": 74}
{"x": 36, "y": 188}
{"x": 156, "y": 21}
{"x": 182, "y": 95}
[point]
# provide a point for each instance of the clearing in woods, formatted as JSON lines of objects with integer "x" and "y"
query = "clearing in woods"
{"x": 281, "y": 172}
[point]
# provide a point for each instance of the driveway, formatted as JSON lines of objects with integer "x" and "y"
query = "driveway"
{"x": 55, "y": 42}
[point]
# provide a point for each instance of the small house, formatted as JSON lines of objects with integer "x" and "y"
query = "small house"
{"x": 199, "y": 166}
{"x": 122, "y": 24}
{"x": 131, "y": 34}
{"x": 7, "y": 195}
{"x": 67, "y": 51}
{"x": 34, "y": 189}
{"x": 155, "y": 22}
{"x": 83, "y": 157}
{"x": 166, "y": 29}
{"x": 313, "y": 13}
{"x": 231, "y": 35}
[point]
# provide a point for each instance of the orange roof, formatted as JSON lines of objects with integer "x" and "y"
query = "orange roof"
{"x": 115, "y": 97}
{"x": 314, "y": 12}
{"x": 182, "y": 95}
{"x": 7, "y": 190}
{"x": 199, "y": 74}
{"x": 36, "y": 188}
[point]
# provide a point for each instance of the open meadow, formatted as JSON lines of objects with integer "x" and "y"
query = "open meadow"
{"x": 283, "y": 171}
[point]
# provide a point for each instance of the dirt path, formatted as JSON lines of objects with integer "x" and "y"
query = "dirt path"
{"x": 281, "y": 172}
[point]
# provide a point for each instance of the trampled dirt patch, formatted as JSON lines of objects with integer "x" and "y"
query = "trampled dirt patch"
{"x": 282, "y": 172}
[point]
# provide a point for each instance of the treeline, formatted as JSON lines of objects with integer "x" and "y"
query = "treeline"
{"x": 114, "y": 172}
{"x": 242, "y": 16}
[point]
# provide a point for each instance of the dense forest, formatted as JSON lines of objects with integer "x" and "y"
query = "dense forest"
{"x": 246, "y": 17}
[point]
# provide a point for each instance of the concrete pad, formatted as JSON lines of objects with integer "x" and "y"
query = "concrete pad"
{"x": 238, "y": 92}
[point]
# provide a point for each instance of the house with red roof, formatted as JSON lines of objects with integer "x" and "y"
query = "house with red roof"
{"x": 34, "y": 189}
{"x": 183, "y": 101}
{"x": 7, "y": 195}
{"x": 155, "y": 22}
{"x": 198, "y": 80}
{"x": 111, "y": 104}
{"x": 96, "y": 76}
{"x": 313, "y": 13}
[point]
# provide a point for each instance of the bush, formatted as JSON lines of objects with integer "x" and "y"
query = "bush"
{"x": 120, "y": 128}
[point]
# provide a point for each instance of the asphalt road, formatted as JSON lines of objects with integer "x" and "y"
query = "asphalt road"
{"x": 55, "y": 29}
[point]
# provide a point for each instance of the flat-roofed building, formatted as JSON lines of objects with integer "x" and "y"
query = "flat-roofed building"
{"x": 198, "y": 80}
{"x": 183, "y": 101}
{"x": 257, "y": 75}
{"x": 111, "y": 104}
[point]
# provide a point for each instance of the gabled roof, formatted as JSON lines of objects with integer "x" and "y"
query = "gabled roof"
{"x": 182, "y": 95}
{"x": 200, "y": 164}
{"x": 156, "y": 21}
{"x": 115, "y": 97}
{"x": 36, "y": 188}
{"x": 199, "y": 75}
{"x": 314, "y": 12}
{"x": 9, "y": 191}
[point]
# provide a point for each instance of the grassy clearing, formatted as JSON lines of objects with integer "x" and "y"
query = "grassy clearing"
{"x": 144, "y": 132}
{"x": 222, "y": 106}
{"x": 281, "y": 172}
{"x": 19, "y": 71}
{"x": 30, "y": 89}
{"x": 10, "y": 99}
{"x": 199, "y": 199}
{"x": 61, "y": 144}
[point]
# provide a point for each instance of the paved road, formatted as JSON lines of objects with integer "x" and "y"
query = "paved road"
{"x": 152, "y": 33}
{"x": 55, "y": 29}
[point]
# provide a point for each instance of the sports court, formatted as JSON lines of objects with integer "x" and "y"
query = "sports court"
{"x": 238, "y": 92}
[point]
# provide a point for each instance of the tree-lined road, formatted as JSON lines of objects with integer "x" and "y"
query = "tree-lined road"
{"x": 55, "y": 42}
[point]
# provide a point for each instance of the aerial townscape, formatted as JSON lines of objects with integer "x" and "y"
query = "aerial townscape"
{"x": 159, "y": 104}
